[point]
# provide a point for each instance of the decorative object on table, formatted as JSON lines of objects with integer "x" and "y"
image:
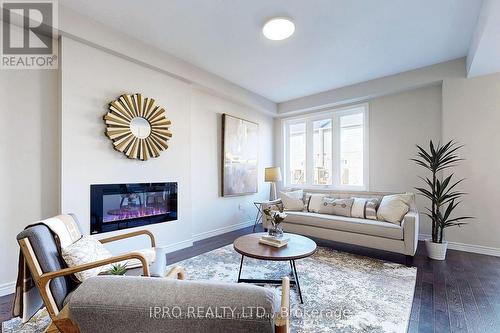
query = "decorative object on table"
{"x": 240, "y": 143}
{"x": 442, "y": 193}
{"x": 118, "y": 269}
{"x": 273, "y": 241}
{"x": 259, "y": 204}
{"x": 272, "y": 175}
{"x": 159, "y": 266}
{"x": 276, "y": 217}
{"x": 137, "y": 127}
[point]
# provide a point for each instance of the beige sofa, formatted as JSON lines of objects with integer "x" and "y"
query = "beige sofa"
{"x": 369, "y": 233}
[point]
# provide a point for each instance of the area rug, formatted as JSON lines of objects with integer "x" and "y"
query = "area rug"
{"x": 342, "y": 292}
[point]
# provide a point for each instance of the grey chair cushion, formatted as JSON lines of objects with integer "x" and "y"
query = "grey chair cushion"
{"x": 128, "y": 304}
{"x": 45, "y": 249}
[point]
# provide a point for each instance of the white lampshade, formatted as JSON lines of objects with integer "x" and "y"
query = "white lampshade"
{"x": 273, "y": 174}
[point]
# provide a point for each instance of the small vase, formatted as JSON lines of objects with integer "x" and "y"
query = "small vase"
{"x": 159, "y": 266}
{"x": 436, "y": 251}
{"x": 275, "y": 231}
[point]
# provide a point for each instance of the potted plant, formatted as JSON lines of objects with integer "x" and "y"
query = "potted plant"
{"x": 118, "y": 269}
{"x": 442, "y": 193}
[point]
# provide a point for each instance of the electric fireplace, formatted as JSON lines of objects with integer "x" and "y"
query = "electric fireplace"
{"x": 121, "y": 206}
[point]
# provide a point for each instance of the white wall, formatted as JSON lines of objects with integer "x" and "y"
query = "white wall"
{"x": 397, "y": 123}
{"x": 29, "y": 150}
{"x": 376, "y": 88}
{"x": 212, "y": 213}
{"x": 54, "y": 147}
{"x": 90, "y": 79}
{"x": 471, "y": 115}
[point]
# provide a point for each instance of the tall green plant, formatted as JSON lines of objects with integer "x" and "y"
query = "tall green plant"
{"x": 442, "y": 193}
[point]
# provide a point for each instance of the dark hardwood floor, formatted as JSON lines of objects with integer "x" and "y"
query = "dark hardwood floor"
{"x": 461, "y": 294}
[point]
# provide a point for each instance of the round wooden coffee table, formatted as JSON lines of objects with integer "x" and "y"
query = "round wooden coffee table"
{"x": 298, "y": 247}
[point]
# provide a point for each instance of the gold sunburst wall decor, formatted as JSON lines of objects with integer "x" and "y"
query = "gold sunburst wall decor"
{"x": 137, "y": 127}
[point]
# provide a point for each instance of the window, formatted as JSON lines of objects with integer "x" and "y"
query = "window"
{"x": 328, "y": 149}
{"x": 297, "y": 153}
{"x": 322, "y": 151}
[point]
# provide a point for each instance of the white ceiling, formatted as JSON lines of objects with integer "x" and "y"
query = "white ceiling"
{"x": 336, "y": 42}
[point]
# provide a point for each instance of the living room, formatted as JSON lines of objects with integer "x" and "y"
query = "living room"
{"x": 286, "y": 156}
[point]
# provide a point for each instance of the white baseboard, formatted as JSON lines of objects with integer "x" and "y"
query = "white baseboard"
{"x": 218, "y": 231}
{"x": 178, "y": 246}
{"x": 7, "y": 288}
{"x": 491, "y": 251}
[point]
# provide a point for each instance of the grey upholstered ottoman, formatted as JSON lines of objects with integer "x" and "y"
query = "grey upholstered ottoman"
{"x": 140, "y": 304}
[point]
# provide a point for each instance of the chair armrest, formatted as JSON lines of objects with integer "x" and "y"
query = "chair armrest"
{"x": 177, "y": 272}
{"x": 45, "y": 278}
{"x": 282, "y": 322}
{"x": 129, "y": 235}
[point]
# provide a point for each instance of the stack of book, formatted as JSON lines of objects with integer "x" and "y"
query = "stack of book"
{"x": 273, "y": 241}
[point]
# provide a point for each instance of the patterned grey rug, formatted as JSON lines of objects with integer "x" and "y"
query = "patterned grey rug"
{"x": 342, "y": 292}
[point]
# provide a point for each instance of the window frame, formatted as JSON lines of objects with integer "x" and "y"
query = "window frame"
{"x": 334, "y": 114}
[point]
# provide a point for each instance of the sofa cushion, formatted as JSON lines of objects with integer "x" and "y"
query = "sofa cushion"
{"x": 394, "y": 207}
{"x": 341, "y": 207}
{"x": 365, "y": 208}
{"x": 348, "y": 224}
{"x": 292, "y": 200}
{"x": 84, "y": 251}
{"x": 315, "y": 202}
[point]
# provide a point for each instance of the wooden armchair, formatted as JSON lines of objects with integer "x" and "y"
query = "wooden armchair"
{"x": 59, "y": 292}
{"x": 49, "y": 271}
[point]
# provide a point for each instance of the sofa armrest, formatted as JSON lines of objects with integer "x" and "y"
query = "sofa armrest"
{"x": 410, "y": 225}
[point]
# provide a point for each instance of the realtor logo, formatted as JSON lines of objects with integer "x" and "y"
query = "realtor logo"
{"x": 28, "y": 35}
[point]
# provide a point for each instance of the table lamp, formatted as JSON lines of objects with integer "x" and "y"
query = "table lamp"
{"x": 273, "y": 175}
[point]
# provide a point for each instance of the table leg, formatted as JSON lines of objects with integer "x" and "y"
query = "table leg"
{"x": 296, "y": 278}
{"x": 241, "y": 266}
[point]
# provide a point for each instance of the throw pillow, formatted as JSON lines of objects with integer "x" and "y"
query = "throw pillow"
{"x": 365, "y": 208}
{"x": 83, "y": 251}
{"x": 315, "y": 202}
{"x": 292, "y": 200}
{"x": 340, "y": 207}
{"x": 358, "y": 208}
{"x": 394, "y": 207}
{"x": 371, "y": 207}
{"x": 307, "y": 199}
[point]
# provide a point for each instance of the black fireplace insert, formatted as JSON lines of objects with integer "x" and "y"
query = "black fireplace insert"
{"x": 121, "y": 206}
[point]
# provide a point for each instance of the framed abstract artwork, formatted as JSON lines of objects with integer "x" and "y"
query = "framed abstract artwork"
{"x": 240, "y": 152}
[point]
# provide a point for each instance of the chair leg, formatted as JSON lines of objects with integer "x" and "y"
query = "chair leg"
{"x": 52, "y": 328}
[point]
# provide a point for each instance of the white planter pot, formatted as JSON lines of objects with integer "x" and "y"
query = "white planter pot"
{"x": 436, "y": 251}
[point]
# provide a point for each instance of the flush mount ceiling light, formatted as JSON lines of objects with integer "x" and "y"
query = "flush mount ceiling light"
{"x": 278, "y": 28}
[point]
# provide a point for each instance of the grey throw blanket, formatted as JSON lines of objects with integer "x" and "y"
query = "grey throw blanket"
{"x": 27, "y": 300}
